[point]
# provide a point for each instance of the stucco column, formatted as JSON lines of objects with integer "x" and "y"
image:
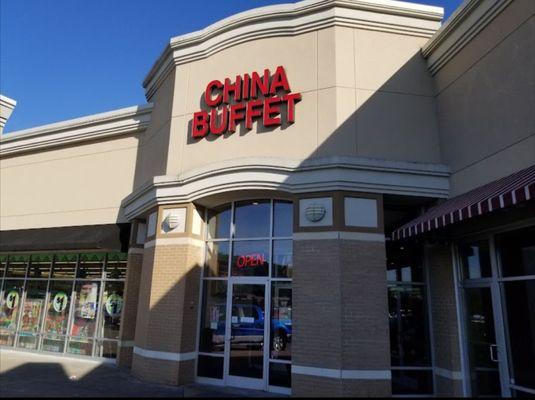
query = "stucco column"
{"x": 445, "y": 323}
{"x": 164, "y": 346}
{"x": 340, "y": 310}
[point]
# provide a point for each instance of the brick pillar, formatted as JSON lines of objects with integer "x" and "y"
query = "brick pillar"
{"x": 340, "y": 309}
{"x": 445, "y": 324}
{"x": 166, "y": 325}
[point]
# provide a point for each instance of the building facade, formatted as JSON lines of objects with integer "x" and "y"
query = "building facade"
{"x": 326, "y": 198}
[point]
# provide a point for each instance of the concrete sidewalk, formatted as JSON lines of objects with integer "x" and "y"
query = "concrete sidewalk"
{"x": 24, "y": 374}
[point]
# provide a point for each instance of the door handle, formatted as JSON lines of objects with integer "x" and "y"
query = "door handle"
{"x": 493, "y": 352}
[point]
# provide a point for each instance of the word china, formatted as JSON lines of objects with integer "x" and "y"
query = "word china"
{"x": 248, "y": 98}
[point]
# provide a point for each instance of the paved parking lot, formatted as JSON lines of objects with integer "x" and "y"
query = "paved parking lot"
{"x": 25, "y": 374}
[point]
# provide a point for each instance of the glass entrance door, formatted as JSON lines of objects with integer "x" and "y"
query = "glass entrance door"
{"x": 245, "y": 334}
{"x": 482, "y": 343}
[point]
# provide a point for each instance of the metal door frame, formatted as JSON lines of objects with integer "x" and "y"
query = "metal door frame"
{"x": 499, "y": 326}
{"x": 240, "y": 381}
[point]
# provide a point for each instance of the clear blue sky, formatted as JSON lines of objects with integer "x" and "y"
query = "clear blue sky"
{"x": 63, "y": 59}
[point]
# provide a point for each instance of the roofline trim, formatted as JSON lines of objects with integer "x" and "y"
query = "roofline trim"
{"x": 290, "y": 20}
{"x": 461, "y": 27}
{"x": 111, "y": 123}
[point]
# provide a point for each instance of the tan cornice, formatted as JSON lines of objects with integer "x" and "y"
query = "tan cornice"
{"x": 291, "y": 176}
{"x": 289, "y": 20}
{"x": 96, "y": 126}
{"x": 460, "y": 28}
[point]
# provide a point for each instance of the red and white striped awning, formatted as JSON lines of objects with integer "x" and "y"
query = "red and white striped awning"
{"x": 502, "y": 193}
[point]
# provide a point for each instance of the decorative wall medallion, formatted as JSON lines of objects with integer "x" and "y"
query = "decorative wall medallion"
{"x": 315, "y": 212}
{"x": 171, "y": 222}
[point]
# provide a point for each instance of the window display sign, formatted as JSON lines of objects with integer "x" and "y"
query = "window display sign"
{"x": 246, "y": 99}
{"x": 59, "y": 303}
{"x": 250, "y": 260}
{"x": 114, "y": 305}
{"x": 31, "y": 315}
{"x": 86, "y": 309}
{"x": 12, "y": 299}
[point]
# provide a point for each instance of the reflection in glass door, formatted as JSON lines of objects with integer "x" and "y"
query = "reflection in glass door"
{"x": 246, "y": 336}
{"x": 481, "y": 336}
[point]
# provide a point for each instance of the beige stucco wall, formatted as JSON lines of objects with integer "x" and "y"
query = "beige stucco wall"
{"x": 486, "y": 101}
{"x": 364, "y": 93}
{"x": 77, "y": 185}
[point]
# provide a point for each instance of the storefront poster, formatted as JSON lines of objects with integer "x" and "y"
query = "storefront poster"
{"x": 114, "y": 305}
{"x": 87, "y": 304}
{"x": 31, "y": 315}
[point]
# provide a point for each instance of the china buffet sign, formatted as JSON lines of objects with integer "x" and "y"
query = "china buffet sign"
{"x": 266, "y": 98}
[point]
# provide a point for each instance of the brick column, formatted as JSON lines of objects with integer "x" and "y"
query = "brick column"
{"x": 166, "y": 325}
{"x": 445, "y": 324}
{"x": 340, "y": 310}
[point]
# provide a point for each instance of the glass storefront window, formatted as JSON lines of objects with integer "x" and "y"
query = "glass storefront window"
{"x": 116, "y": 265}
{"x": 40, "y": 265}
{"x": 9, "y": 310}
{"x": 404, "y": 263}
{"x": 17, "y": 265}
{"x": 250, "y": 258}
{"x": 409, "y": 336}
{"x": 81, "y": 346}
{"x": 106, "y": 349}
{"x": 282, "y": 219}
{"x": 3, "y": 265}
{"x": 252, "y": 219}
{"x": 412, "y": 382}
{"x": 282, "y": 258}
{"x": 475, "y": 260}
{"x": 112, "y": 309}
{"x": 90, "y": 266}
{"x": 217, "y": 254}
{"x": 219, "y": 222}
{"x": 410, "y": 344}
{"x": 213, "y": 317}
{"x": 517, "y": 252}
{"x": 57, "y": 317}
{"x": 248, "y": 239}
{"x": 32, "y": 311}
{"x": 520, "y": 310}
{"x": 281, "y": 321}
{"x": 64, "y": 266}
{"x": 86, "y": 307}
{"x": 280, "y": 374}
{"x": 48, "y": 310}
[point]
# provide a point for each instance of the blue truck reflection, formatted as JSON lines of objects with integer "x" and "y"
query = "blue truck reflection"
{"x": 247, "y": 327}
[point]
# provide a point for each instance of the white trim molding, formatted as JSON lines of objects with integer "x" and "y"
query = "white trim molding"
{"x": 164, "y": 355}
{"x": 353, "y": 374}
{"x": 291, "y": 176}
{"x": 97, "y": 126}
{"x": 291, "y": 20}
{"x": 7, "y": 106}
{"x": 175, "y": 241}
{"x": 460, "y": 28}
{"x": 342, "y": 235}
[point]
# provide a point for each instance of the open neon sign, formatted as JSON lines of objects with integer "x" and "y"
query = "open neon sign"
{"x": 250, "y": 260}
{"x": 248, "y": 98}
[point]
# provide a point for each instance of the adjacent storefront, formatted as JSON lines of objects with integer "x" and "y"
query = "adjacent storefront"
{"x": 327, "y": 198}
{"x": 64, "y": 303}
